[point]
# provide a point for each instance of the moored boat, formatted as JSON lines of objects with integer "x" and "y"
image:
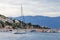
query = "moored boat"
{"x": 19, "y": 31}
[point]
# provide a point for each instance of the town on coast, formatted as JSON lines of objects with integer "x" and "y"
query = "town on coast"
{"x": 9, "y": 24}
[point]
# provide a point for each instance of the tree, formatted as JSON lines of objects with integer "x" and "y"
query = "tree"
{"x": 29, "y": 25}
{"x": 7, "y": 23}
{"x": 13, "y": 21}
{"x": 2, "y": 24}
{"x": 22, "y": 24}
{"x": 37, "y": 26}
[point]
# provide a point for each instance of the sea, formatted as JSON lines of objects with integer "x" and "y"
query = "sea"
{"x": 29, "y": 36}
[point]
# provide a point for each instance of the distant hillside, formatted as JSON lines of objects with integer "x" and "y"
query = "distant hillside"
{"x": 8, "y": 23}
{"x": 2, "y": 16}
{"x": 51, "y": 22}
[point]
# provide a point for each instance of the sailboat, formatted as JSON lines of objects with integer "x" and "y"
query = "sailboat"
{"x": 20, "y": 31}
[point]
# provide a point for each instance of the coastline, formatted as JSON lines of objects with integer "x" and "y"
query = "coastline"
{"x": 36, "y": 30}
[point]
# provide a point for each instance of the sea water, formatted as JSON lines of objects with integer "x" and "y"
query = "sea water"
{"x": 29, "y": 36}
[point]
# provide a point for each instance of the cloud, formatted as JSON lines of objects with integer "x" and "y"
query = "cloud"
{"x": 30, "y": 7}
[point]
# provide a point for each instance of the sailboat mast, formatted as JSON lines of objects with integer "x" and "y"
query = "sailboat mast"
{"x": 22, "y": 16}
{"x": 21, "y": 10}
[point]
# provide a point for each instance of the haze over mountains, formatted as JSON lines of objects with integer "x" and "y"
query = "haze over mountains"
{"x": 51, "y": 22}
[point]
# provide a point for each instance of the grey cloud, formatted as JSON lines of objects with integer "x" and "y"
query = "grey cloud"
{"x": 31, "y": 6}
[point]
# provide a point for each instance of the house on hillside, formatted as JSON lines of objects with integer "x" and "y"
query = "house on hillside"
{"x": 8, "y": 27}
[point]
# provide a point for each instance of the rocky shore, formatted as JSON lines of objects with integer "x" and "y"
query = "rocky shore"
{"x": 48, "y": 30}
{"x": 36, "y": 30}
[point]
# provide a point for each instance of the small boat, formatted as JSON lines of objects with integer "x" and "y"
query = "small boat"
{"x": 19, "y": 31}
{"x": 33, "y": 31}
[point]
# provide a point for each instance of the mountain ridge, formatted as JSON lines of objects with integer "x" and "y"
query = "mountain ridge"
{"x": 13, "y": 23}
{"x": 52, "y": 22}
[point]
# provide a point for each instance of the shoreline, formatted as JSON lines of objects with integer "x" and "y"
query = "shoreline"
{"x": 37, "y": 30}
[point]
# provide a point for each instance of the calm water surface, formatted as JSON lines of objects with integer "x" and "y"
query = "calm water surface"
{"x": 30, "y": 36}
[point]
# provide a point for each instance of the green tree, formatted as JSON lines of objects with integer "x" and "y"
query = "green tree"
{"x": 2, "y": 24}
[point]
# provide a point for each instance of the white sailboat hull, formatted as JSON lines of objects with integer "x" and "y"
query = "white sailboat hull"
{"x": 19, "y": 32}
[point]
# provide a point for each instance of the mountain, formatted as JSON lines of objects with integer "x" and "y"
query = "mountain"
{"x": 14, "y": 23}
{"x": 51, "y": 22}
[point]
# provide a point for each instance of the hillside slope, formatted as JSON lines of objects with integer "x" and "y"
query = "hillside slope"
{"x": 52, "y": 22}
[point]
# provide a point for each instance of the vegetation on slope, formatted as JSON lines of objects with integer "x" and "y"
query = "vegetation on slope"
{"x": 2, "y": 16}
{"x": 18, "y": 24}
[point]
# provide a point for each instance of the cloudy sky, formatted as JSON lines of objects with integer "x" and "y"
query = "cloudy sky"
{"x": 30, "y": 7}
